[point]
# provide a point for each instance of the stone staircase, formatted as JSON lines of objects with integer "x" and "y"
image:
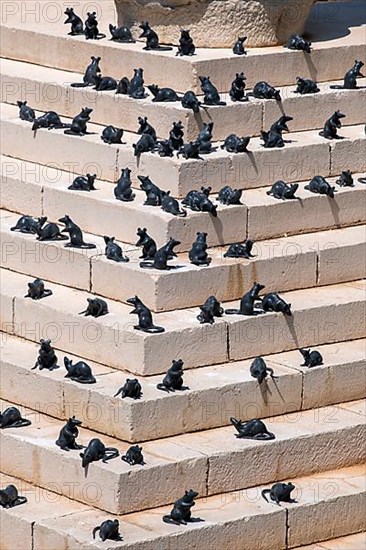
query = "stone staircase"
{"x": 311, "y": 250}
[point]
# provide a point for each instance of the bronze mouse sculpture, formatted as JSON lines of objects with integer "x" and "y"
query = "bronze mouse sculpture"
{"x": 259, "y": 370}
{"x": 211, "y": 95}
{"x": 297, "y": 42}
{"x": 209, "y": 310}
{"x": 25, "y": 112}
{"x": 148, "y": 244}
{"x": 83, "y": 183}
{"x": 279, "y": 492}
{"x": 121, "y": 34}
{"x": 199, "y": 201}
{"x": 350, "y": 78}
{"x": 50, "y": 232}
{"x": 9, "y": 497}
{"x": 131, "y": 388}
{"x": 75, "y": 21}
{"x": 331, "y": 126}
{"x": 68, "y": 434}
{"x": 91, "y": 30}
{"x": 123, "y": 191}
{"x": 96, "y": 308}
{"x": 75, "y": 233}
{"x": 191, "y": 101}
{"x": 11, "y": 418}
{"x": 96, "y": 450}
{"x": 253, "y": 429}
{"x": 113, "y": 251}
{"x": 28, "y": 225}
{"x": 320, "y": 186}
{"x": 239, "y": 48}
{"x": 173, "y": 380}
{"x": 79, "y": 372}
{"x": 134, "y": 456}
{"x": 306, "y": 86}
{"x": 282, "y": 190}
{"x": 161, "y": 256}
{"x": 227, "y": 195}
{"x": 273, "y": 302}
{"x": 181, "y": 512}
{"x": 345, "y": 179}
{"x": 273, "y": 138}
{"x": 47, "y": 359}
{"x": 186, "y": 45}
{"x": 108, "y": 530}
{"x": 311, "y": 358}
{"x": 240, "y": 250}
{"x": 112, "y": 134}
{"x": 37, "y": 291}
{"x": 247, "y": 302}
{"x": 152, "y": 39}
{"x": 91, "y": 72}
{"x": 145, "y": 317}
{"x": 198, "y": 253}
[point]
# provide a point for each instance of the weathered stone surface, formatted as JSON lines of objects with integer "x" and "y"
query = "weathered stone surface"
{"x": 218, "y": 23}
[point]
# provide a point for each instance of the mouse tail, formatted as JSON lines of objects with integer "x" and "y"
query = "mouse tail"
{"x": 169, "y": 519}
{"x": 264, "y": 494}
{"x": 336, "y": 87}
{"x": 154, "y": 329}
{"x": 232, "y": 311}
{"x": 162, "y": 387}
{"x": 95, "y": 530}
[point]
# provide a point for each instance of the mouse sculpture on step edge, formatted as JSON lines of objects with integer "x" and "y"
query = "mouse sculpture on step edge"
{"x": 79, "y": 372}
{"x": 96, "y": 450}
{"x": 9, "y": 497}
{"x": 37, "y": 291}
{"x": 145, "y": 320}
{"x": 134, "y": 456}
{"x": 279, "y": 492}
{"x": 248, "y": 302}
{"x": 131, "y": 388}
{"x": 173, "y": 380}
{"x": 209, "y": 310}
{"x": 68, "y": 434}
{"x": 108, "y": 530}
{"x": 47, "y": 359}
{"x": 11, "y": 418}
{"x": 252, "y": 429}
{"x": 113, "y": 251}
{"x": 181, "y": 512}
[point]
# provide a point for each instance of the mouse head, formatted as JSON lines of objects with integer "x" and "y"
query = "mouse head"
{"x": 74, "y": 421}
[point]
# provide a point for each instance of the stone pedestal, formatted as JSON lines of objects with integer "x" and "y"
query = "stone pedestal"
{"x": 218, "y": 23}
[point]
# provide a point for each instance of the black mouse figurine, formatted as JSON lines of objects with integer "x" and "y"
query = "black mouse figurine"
{"x": 134, "y": 87}
{"x": 171, "y": 205}
{"x": 199, "y": 201}
{"x": 191, "y": 101}
{"x": 68, "y": 434}
{"x": 173, "y": 380}
{"x": 50, "y": 232}
{"x": 227, "y": 195}
{"x": 209, "y": 310}
{"x": 273, "y": 302}
{"x": 238, "y": 48}
{"x": 198, "y": 253}
{"x": 75, "y": 21}
{"x": 131, "y": 388}
{"x": 79, "y": 372}
{"x": 211, "y": 95}
{"x": 306, "y": 86}
{"x": 263, "y": 90}
{"x": 253, "y": 429}
{"x": 75, "y": 233}
{"x": 152, "y": 39}
{"x": 121, "y": 34}
{"x": 259, "y": 370}
{"x": 91, "y": 30}
{"x": 11, "y": 418}
{"x": 96, "y": 308}
{"x": 9, "y": 497}
{"x": 164, "y": 149}
{"x": 240, "y": 250}
{"x": 96, "y": 450}
{"x": 108, "y": 530}
{"x": 320, "y": 186}
{"x": 331, "y": 126}
{"x": 25, "y": 112}
{"x": 176, "y": 136}
{"x": 47, "y": 359}
{"x": 146, "y": 144}
{"x": 282, "y": 190}
{"x": 204, "y": 137}
{"x": 345, "y": 179}
{"x": 237, "y": 90}
{"x": 113, "y": 251}
{"x": 311, "y": 358}
{"x": 91, "y": 73}
{"x": 154, "y": 195}
{"x": 105, "y": 83}
{"x": 50, "y": 120}
{"x": 83, "y": 183}
{"x": 247, "y": 302}
{"x": 37, "y": 291}
{"x": 111, "y": 134}
{"x": 273, "y": 138}
{"x": 146, "y": 128}
{"x": 186, "y": 45}
{"x": 134, "y": 456}
{"x": 236, "y": 144}
{"x": 190, "y": 150}
{"x": 181, "y": 512}
{"x": 28, "y": 225}
{"x": 161, "y": 256}
{"x": 145, "y": 317}
{"x": 148, "y": 244}
{"x": 279, "y": 492}
{"x": 350, "y": 78}
{"x": 298, "y": 42}
{"x": 162, "y": 95}
{"x": 123, "y": 191}
{"x": 78, "y": 125}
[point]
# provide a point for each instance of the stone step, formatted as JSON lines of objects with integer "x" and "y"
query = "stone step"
{"x": 325, "y": 438}
{"x": 320, "y": 315}
{"x": 215, "y": 393}
{"x": 41, "y": 190}
{"x": 243, "y": 514}
{"x": 50, "y": 89}
{"x": 47, "y": 44}
{"x": 350, "y": 542}
{"x": 307, "y": 155}
{"x": 291, "y": 263}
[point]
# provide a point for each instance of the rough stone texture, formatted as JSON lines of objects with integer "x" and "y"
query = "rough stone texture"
{"x": 218, "y": 23}
{"x": 350, "y": 542}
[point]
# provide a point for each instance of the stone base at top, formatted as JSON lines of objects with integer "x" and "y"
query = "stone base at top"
{"x": 218, "y": 23}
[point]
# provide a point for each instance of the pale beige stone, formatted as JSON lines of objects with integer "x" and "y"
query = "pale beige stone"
{"x": 349, "y": 542}
{"x": 353, "y": 147}
{"x": 217, "y": 24}
{"x": 327, "y": 496}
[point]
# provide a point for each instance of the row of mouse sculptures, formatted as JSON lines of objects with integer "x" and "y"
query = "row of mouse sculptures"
{"x": 123, "y": 34}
